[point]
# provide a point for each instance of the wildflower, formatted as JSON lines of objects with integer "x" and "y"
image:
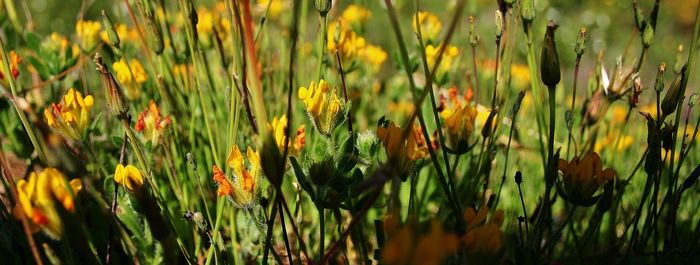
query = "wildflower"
{"x": 131, "y": 75}
{"x": 246, "y": 178}
{"x": 403, "y": 152}
{"x": 483, "y": 239}
{"x": 582, "y": 178}
{"x": 341, "y": 37}
{"x": 459, "y": 121}
{"x": 14, "y": 61}
{"x": 323, "y": 106}
{"x": 448, "y": 57}
{"x": 614, "y": 140}
{"x": 36, "y": 196}
{"x": 374, "y": 55}
{"x": 356, "y": 15}
{"x": 278, "y": 127}
{"x": 430, "y": 25}
{"x": 88, "y": 33}
{"x": 211, "y": 22}
{"x": 273, "y": 7}
{"x": 71, "y": 116}
{"x": 128, "y": 176}
{"x": 405, "y": 247}
{"x": 151, "y": 123}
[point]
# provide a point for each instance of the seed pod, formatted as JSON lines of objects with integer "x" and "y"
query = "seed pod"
{"x": 499, "y": 23}
{"x": 473, "y": 36}
{"x": 518, "y": 177}
{"x": 581, "y": 42}
{"x": 659, "y": 84}
{"x": 549, "y": 65}
{"x": 113, "y": 93}
{"x": 112, "y": 36}
{"x": 674, "y": 93}
{"x": 518, "y": 102}
{"x": 323, "y": 6}
{"x": 528, "y": 11}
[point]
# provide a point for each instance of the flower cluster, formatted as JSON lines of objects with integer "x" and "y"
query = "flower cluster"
{"x": 403, "y": 152}
{"x": 88, "y": 33}
{"x": 342, "y": 35}
{"x": 448, "y": 58}
{"x": 459, "y": 117}
{"x": 278, "y": 128}
{"x": 14, "y": 61}
{"x": 323, "y": 106}
{"x": 128, "y": 176}
{"x": 36, "y": 199}
{"x": 131, "y": 75}
{"x": 582, "y": 177}
{"x": 151, "y": 123}
{"x": 430, "y": 25}
{"x": 483, "y": 239}
{"x": 405, "y": 247}
{"x": 246, "y": 178}
{"x": 71, "y": 116}
{"x": 212, "y": 22}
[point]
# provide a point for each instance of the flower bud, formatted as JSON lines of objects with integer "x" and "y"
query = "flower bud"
{"x": 581, "y": 42}
{"x": 674, "y": 93}
{"x": 528, "y": 11}
{"x": 323, "y": 6}
{"x": 659, "y": 84}
{"x": 518, "y": 102}
{"x": 112, "y": 36}
{"x": 549, "y": 65}
{"x": 499, "y": 23}
{"x": 638, "y": 17}
{"x": 518, "y": 177}
{"x": 115, "y": 98}
{"x": 648, "y": 36}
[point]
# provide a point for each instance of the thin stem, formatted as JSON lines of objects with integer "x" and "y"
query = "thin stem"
{"x": 570, "y": 116}
{"x": 322, "y": 232}
{"x": 323, "y": 21}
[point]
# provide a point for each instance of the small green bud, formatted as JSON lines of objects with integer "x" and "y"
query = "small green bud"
{"x": 499, "y": 23}
{"x": 549, "y": 65}
{"x": 674, "y": 93}
{"x": 323, "y": 6}
{"x": 648, "y": 36}
{"x": 659, "y": 84}
{"x": 113, "y": 93}
{"x": 528, "y": 11}
{"x": 638, "y": 17}
{"x": 473, "y": 36}
{"x": 112, "y": 36}
{"x": 581, "y": 42}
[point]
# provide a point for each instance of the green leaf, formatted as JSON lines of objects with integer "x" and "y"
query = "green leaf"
{"x": 347, "y": 155}
{"x": 33, "y": 41}
{"x": 301, "y": 177}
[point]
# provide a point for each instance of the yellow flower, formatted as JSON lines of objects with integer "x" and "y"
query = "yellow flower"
{"x": 125, "y": 34}
{"x": 430, "y": 25}
{"x": 405, "y": 247}
{"x": 14, "y": 66}
{"x": 36, "y": 199}
{"x": 614, "y": 141}
{"x": 448, "y": 57}
{"x": 278, "y": 128}
{"x": 276, "y": 7}
{"x": 131, "y": 76}
{"x": 323, "y": 106}
{"x": 483, "y": 240}
{"x": 246, "y": 178}
{"x": 404, "y": 152}
{"x": 356, "y": 15}
{"x": 212, "y": 22}
{"x": 151, "y": 123}
{"x": 459, "y": 122}
{"x": 88, "y": 33}
{"x": 128, "y": 176}
{"x": 71, "y": 116}
{"x": 583, "y": 177}
{"x": 342, "y": 37}
{"x": 374, "y": 55}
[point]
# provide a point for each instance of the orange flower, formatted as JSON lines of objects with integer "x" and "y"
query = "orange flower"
{"x": 224, "y": 186}
{"x": 151, "y": 124}
{"x": 14, "y": 65}
{"x": 405, "y": 152}
{"x": 405, "y": 247}
{"x": 582, "y": 178}
{"x": 483, "y": 239}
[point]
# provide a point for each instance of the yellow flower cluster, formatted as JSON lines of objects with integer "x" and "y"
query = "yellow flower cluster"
{"x": 246, "y": 178}
{"x": 448, "y": 58}
{"x": 582, "y": 177}
{"x": 404, "y": 247}
{"x": 128, "y": 176}
{"x": 430, "y": 25}
{"x": 349, "y": 44}
{"x": 483, "y": 239}
{"x": 151, "y": 123}
{"x": 459, "y": 118}
{"x": 276, "y": 7}
{"x": 356, "y": 15}
{"x": 88, "y": 33}
{"x": 71, "y": 116}
{"x": 212, "y": 22}
{"x": 14, "y": 61}
{"x": 36, "y": 199}
{"x": 323, "y": 105}
{"x": 278, "y": 128}
{"x": 404, "y": 152}
{"x": 131, "y": 75}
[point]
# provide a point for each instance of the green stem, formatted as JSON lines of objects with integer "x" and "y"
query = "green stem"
{"x": 323, "y": 21}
